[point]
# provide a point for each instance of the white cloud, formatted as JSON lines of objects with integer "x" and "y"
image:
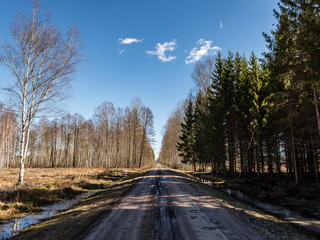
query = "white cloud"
{"x": 221, "y": 24}
{"x": 196, "y": 54}
{"x": 127, "y": 41}
{"x": 162, "y": 48}
{"x": 122, "y": 51}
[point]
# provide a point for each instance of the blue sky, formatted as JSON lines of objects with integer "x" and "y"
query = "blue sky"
{"x": 146, "y": 68}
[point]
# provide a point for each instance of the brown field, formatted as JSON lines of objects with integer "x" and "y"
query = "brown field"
{"x": 44, "y": 186}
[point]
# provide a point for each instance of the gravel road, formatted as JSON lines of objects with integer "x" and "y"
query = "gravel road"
{"x": 163, "y": 206}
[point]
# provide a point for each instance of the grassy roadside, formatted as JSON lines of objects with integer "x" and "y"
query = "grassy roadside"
{"x": 76, "y": 221}
{"x": 278, "y": 190}
{"x": 46, "y": 186}
{"x": 267, "y": 225}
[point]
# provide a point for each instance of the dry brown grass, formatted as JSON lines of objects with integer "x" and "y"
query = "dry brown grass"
{"x": 79, "y": 219}
{"x": 44, "y": 186}
{"x": 42, "y": 176}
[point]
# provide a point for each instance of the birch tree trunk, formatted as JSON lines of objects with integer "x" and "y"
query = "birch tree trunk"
{"x": 41, "y": 62}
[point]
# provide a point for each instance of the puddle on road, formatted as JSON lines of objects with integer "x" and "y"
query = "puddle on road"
{"x": 305, "y": 222}
{"x": 12, "y": 227}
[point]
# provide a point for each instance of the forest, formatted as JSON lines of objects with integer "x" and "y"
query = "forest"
{"x": 255, "y": 116}
{"x": 114, "y": 137}
{"x": 42, "y": 61}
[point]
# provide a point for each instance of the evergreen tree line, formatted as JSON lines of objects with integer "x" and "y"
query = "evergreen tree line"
{"x": 115, "y": 137}
{"x": 261, "y": 115}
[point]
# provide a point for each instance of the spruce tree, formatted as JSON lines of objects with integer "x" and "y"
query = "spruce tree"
{"x": 215, "y": 119}
{"x": 228, "y": 97}
{"x": 294, "y": 66}
{"x": 200, "y": 130}
{"x": 242, "y": 99}
{"x": 257, "y": 92}
{"x": 187, "y": 137}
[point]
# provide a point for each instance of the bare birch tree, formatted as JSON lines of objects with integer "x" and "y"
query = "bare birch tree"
{"x": 41, "y": 61}
{"x": 147, "y": 130}
{"x": 202, "y": 74}
{"x": 136, "y": 111}
{"x": 104, "y": 117}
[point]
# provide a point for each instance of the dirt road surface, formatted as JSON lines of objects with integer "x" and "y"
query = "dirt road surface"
{"x": 163, "y": 206}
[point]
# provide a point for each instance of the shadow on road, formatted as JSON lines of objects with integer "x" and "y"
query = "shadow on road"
{"x": 162, "y": 204}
